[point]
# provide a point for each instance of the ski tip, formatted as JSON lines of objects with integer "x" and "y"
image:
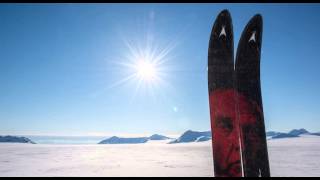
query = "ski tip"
{"x": 252, "y": 34}
{"x": 222, "y": 32}
{"x": 224, "y": 12}
{"x": 253, "y": 30}
{"x": 256, "y": 21}
{"x": 257, "y": 17}
{"x": 220, "y": 53}
{"x": 223, "y": 20}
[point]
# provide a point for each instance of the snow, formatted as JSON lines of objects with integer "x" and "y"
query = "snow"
{"x": 288, "y": 157}
{"x": 295, "y": 156}
{"x": 149, "y": 159}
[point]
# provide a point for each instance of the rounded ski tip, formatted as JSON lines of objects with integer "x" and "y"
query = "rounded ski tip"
{"x": 252, "y": 33}
{"x": 224, "y": 13}
{"x": 256, "y": 20}
{"x": 258, "y": 17}
{"x": 224, "y": 17}
{"x": 222, "y": 28}
{"x": 250, "y": 42}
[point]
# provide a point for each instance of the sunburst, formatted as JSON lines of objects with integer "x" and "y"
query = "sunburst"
{"x": 146, "y": 66}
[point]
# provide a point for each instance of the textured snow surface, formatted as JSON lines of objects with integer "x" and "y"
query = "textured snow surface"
{"x": 288, "y": 157}
{"x": 150, "y": 159}
{"x": 298, "y": 156}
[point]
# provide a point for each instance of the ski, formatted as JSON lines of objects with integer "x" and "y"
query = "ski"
{"x": 222, "y": 102}
{"x": 249, "y": 101}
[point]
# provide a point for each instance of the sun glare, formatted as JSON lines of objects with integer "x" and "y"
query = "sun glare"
{"x": 146, "y": 70}
{"x": 145, "y": 65}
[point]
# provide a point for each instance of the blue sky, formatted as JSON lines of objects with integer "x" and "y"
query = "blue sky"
{"x": 62, "y": 66}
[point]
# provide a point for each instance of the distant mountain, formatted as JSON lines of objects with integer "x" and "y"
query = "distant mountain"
{"x": 15, "y": 139}
{"x": 284, "y": 135}
{"x": 292, "y": 133}
{"x": 298, "y": 132}
{"x": 272, "y": 133}
{"x": 197, "y": 136}
{"x": 316, "y": 134}
{"x": 137, "y": 140}
{"x": 158, "y": 137}
{"x": 118, "y": 140}
{"x": 193, "y": 136}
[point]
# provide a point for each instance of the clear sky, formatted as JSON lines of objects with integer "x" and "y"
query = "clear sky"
{"x": 72, "y": 68}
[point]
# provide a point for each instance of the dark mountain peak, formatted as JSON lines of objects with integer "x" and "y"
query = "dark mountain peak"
{"x": 15, "y": 139}
{"x": 297, "y": 132}
{"x": 119, "y": 140}
{"x": 114, "y": 137}
{"x": 284, "y": 135}
{"x": 193, "y": 136}
{"x": 158, "y": 137}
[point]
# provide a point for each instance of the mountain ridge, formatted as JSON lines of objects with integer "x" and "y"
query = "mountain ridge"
{"x": 133, "y": 140}
{"x": 15, "y": 139}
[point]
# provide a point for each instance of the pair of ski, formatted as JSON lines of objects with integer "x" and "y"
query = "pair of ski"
{"x": 237, "y": 122}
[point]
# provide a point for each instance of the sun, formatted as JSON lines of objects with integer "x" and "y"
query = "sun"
{"x": 146, "y": 70}
{"x": 145, "y": 66}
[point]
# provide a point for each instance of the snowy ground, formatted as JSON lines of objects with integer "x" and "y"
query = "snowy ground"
{"x": 288, "y": 157}
{"x": 295, "y": 156}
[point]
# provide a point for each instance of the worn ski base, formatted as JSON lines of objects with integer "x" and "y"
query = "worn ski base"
{"x": 225, "y": 132}
{"x": 249, "y": 101}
